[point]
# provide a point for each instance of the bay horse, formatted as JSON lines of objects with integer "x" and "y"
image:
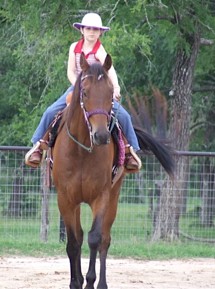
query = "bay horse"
{"x": 83, "y": 158}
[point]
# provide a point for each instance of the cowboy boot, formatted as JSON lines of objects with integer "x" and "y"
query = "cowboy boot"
{"x": 34, "y": 156}
{"x": 132, "y": 161}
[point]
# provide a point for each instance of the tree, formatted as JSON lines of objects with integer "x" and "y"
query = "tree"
{"x": 188, "y": 20}
{"x": 35, "y": 38}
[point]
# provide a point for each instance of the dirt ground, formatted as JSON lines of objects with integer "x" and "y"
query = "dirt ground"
{"x": 53, "y": 273}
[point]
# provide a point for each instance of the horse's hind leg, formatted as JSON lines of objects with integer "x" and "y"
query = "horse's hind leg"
{"x": 103, "y": 256}
{"x": 104, "y": 212}
{"x": 106, "y": 237}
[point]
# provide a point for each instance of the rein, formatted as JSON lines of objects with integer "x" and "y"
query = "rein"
{"x": 89, "y": 149}
{"x": 87, "y": 115}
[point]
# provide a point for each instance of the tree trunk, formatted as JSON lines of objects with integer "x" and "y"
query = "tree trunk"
{"x": 208, "y": 194}
{"x": 166, "y": 225}
{"x": 45, "y": 193}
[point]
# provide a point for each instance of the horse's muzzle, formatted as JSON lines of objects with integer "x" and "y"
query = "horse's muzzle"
{"x": 101, "y": 137}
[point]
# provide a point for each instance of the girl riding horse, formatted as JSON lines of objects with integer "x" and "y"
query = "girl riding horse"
{"x": 91, "y": 29}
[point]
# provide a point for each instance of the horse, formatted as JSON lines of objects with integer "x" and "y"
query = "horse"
{"x": 83, "y": 158}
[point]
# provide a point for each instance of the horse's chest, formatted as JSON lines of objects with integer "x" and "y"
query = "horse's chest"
{"x": 92, "y": 180}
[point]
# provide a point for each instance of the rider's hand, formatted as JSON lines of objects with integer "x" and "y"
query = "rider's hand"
{"x": 116, "y": 94}
{"x": 117, "y": 98}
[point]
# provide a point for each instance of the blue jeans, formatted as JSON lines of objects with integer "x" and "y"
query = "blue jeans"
{"x": 48, "y": 116}
{"x": 122, "y": 115}
{"x": 124, "y": 119}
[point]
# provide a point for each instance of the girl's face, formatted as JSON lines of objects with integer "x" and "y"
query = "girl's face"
{"x": 91, "y": 33}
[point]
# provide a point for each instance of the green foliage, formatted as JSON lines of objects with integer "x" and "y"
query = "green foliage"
{"x": 143, "y": 41}
{"x": 128, "y": 56}
{"x": 34, "y": 56}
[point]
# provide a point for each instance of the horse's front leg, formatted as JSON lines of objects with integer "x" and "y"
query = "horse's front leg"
{"x": 74, "y": 253}
{"x": 74, "y": 243}
{"x": 94, "y": 241}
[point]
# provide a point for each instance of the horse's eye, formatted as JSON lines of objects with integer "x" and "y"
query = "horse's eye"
{"x": 84, "y": 94}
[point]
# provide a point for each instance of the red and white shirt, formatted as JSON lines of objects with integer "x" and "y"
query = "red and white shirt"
{"x": 90, "y": 57}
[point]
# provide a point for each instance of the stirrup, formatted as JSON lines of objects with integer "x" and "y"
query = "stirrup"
{"x": 43, "y": 144}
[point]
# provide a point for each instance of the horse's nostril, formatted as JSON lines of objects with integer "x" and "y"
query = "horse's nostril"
{"x": 101, "y": 138}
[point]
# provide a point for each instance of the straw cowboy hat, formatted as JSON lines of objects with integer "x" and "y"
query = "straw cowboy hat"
{"x": 91, "y": 20}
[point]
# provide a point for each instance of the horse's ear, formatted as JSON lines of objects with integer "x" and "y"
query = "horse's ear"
{"x": 108, "y": 62}
{"x": 83, "y": 62}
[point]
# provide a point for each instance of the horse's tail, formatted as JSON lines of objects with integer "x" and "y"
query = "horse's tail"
{"x": 162, "y": 152}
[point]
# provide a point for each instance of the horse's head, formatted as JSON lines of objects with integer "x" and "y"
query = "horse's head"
{"x": 97, "y": 98}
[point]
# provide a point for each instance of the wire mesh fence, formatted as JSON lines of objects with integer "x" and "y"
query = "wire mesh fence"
{"x": 29, "y": 213}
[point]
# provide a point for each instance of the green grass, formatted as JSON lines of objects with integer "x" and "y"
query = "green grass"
{"x": 131, "y": 234}
{"x": 163, "y": 250}
{"x": 148, "y": 251}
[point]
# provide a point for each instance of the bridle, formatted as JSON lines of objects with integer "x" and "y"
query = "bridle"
{"x": 88, "y": 114}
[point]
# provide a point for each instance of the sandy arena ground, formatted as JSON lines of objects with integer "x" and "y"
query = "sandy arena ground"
{"x": 53, "y": 273}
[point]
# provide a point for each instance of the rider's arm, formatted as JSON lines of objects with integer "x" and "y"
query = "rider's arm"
{"x": 71, "y": 67}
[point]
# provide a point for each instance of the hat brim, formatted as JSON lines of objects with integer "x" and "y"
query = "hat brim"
{"x": 78, "y": 26}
